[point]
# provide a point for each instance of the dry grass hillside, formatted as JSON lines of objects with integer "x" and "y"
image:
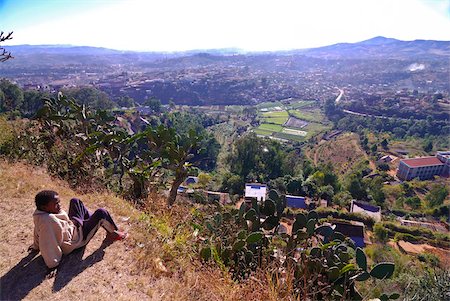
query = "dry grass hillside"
{"x": 157, "y": 262}
{"x": 343, "y": 152}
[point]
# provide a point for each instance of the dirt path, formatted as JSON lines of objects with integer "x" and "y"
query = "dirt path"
{"x": 371, "y": 163}
{"x": 443, "y": 254}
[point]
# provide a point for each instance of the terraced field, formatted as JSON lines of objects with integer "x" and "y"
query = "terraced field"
{"x": 302, "y": 104}
{"x": 277, "y": 117}
{"x": 307, "y": 122}
{"x": 312, "y": 115}
{"x": 271, "y": 127}
{"x": 294, "y": 132}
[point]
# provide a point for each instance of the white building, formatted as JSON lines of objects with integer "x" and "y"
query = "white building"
{"x": 256, "y": 190}
{"x": 367, "y": 209}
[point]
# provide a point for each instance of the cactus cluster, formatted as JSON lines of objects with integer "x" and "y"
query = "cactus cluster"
{"x": 324, "y": 262}
{"x": 238, "y": 238}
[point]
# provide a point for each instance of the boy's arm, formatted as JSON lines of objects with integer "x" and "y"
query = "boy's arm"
{"x": 35, "y": 245}
{"x": 50, "y": 240}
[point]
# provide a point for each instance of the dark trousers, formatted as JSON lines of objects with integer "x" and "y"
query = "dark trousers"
{"x": 90, "y": 223}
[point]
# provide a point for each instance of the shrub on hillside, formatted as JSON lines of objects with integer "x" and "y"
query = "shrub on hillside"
{"x": 325, "y": 212}
{"x": 381, "y": 233}
{"x": 406, "y": 237}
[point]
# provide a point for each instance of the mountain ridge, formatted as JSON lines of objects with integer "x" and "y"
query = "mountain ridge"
{"x": 343, "y": 46}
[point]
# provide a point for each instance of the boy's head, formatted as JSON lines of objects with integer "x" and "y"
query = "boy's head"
{"x": 48, "y": 201}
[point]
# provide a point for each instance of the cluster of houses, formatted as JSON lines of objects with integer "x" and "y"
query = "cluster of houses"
{"x": 353, "y": 229}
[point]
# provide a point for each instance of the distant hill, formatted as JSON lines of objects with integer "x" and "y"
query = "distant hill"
{"x": 375, "y": 48}
{"x": 386, "y": 48}
{"x": 68, "y": 54}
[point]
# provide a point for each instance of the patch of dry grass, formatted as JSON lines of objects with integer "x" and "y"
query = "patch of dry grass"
{"x": 158, "y": 261}
{"x": 343, "y": 152}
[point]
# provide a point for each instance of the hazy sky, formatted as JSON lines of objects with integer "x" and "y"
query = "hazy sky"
{"x": 199, "y": 24}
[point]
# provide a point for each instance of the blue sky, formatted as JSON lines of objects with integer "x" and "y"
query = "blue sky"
{"x": 170, "y": 25}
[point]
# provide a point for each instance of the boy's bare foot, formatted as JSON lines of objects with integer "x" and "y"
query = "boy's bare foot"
{"x": 116, "y": 235}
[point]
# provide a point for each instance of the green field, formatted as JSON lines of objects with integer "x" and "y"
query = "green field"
{"x": 289, "y": 137}
{"x": 269, "y": 104}
{"x": 294, "y": 132}
{"x": 312, "y": 115}
{"x": 275, "y": 114}
{"x": 302, "y": 104}
{"x": 263, "y": 132}
{"x": 272, "y": 122}
{"x": 314, "y": 128}
{"x": 279, "y": 117}
{"x": 270, "y": 127}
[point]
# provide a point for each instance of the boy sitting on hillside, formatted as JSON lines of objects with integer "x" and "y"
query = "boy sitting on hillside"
{"x": 56, "y": 233}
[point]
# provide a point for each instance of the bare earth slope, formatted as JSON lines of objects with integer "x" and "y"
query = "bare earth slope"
{"x": 89, "y": 273}
{"x": 94, "y": 273}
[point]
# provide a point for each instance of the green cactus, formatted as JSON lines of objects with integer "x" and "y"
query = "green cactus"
{"x": 254, "y": 237}
{"x": 238, "y": 245}
{"x": 326, "y": 256}
{"x": 311, "y": 226}
{"x": 361, "y": 259}
{"x": 382, "y": 270}
{"x": 250, "y": 215}
{"x": 270, "y": 223}
{"x": 273, "y": 195}
{"x": 269, "y": 207}
{"x": 300, "y": 222}
{"x": 205, "y": 253}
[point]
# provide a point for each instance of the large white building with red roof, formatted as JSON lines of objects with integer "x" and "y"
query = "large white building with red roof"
{"x": 424, "y": 168}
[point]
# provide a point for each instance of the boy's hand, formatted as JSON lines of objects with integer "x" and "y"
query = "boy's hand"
{"x": 31, "y": 249}
{"x": 51, "y": 273}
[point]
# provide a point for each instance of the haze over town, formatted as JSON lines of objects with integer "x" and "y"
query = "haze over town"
{"x": 265, "y": 25}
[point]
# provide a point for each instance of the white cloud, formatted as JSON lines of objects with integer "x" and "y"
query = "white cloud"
{"x": 247, "y": 24}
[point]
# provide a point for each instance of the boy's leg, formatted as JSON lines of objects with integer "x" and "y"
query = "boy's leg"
{"x": 100, "y": 218}
{"x": 77, "y": 211}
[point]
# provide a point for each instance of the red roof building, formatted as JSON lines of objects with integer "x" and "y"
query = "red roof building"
{"x": 423, "y": 168}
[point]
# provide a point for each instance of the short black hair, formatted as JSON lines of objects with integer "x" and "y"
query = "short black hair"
{"x": 43, "y": 197}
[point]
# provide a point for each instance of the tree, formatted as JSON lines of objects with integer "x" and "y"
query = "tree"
{"x": 428, "y": 147}
{"x": 183, "y": 122}
{"x": 91, "y": 97}
{"x": 384, "y": 144}
{"x": 383, "y": 166}
{"x": 329, "y": 107}
{"x": 154, "y": 104}
{"x": 233, "y": 184}
{"x": 375, "y": 187}
{"x": 32, "y": 102}
{"x": 256, "y": 159}
{"x": 294, "y": 185}
{"x": 326, "y": 192}
{"x": 176, "y": 152}
{"x": 413, "y": 202}
{"x": 5, "y": 55}
{"x": 204, "y": 179}
{"x": 342, "y": 198}
{"x": 249, "y": 111}
{"x": 356, "y": 188}
{"x": 126, "y": 102}
{"x": 436, "y": 196}
{"x": 11, "y": 97}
